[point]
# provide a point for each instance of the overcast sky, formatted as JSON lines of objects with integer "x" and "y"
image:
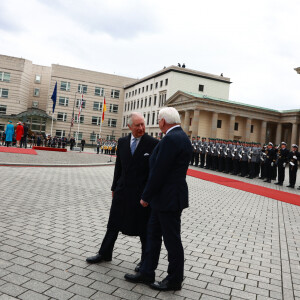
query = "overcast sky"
{"x": 255, "y": 43}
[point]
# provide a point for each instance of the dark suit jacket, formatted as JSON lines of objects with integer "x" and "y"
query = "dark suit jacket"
{"x": 130, "y": 177}
{"x": 166, "y": 189}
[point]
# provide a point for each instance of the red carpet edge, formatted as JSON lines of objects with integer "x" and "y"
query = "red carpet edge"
{"x": 247, "y": 187}
{"x": 18, "y": 150}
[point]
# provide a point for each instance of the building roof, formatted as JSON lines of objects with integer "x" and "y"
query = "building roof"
{"x": 183, "y": 71}
{"x": 31, "y": 112}
{"x": 196, "y": 95}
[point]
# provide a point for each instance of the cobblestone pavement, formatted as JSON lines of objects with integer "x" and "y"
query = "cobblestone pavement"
{"x": 62, "y": 158}
{"x": 237, "y": 245}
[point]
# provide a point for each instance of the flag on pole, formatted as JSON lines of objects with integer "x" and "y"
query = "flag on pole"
{"x": 80, "y": 107}
{"x": 72, "y": 121}
{"x": 54, "y": 96}
{"x": 104, "y": 109}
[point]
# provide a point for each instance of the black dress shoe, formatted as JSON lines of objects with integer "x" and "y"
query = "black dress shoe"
{"x": 137, "y": 268}
{"x": 290, "y": 186}
{"x": 298, "y": 188}
{"x": 267, "y": 180}
{"x": 139, "y": 278}
{"x": 278, "y": 183}
{"x": 166, "y": 285}
{"x": 97, "y": 258}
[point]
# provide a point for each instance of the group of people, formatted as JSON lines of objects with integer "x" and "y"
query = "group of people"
{"x": 251, "y": 160}
{"x": 149, "y": 192}
{"x": 106, "y": 146}
{"x": 15, "y": 136}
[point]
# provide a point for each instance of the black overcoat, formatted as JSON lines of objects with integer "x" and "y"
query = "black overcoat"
{"x": 130, "y": 177}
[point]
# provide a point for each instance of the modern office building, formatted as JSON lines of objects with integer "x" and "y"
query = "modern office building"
{"x": 201, "y": 98}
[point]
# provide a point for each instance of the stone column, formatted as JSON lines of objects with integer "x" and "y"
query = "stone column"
{"x": 263, "y": 132}
{"x": 231, "y": 127}
{"x": 247, "y": 130}
{"x": 294, "y": 133}
{"x": 278, "y": 133}
{"x": 186, "y": 123}
{"x": 195, "y": 123}
{"x": 214, "y": 121}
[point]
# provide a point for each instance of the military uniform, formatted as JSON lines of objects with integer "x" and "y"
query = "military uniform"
{"x": 293, "y": 158}
{"x": 281, "y": 161}
{"x": 270, "y": 162}
{"x": 203, "y": 148}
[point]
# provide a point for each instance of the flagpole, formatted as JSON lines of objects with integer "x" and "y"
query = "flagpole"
{"x": 101, "y": 121}
{"x": 73, "y": 115}
{"x": 78, "y": 118}
{"x": 52, "y": 124}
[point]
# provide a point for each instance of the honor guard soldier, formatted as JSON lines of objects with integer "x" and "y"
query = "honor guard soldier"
{"x": 254, "y": 161}
{"x": 194, "y": 150}
{"x": 203, "y": 149}
{"x": 244, "y": 160}
{"x": 263, "y": 158}
{"x": 270, "y": 162}
{"x": 197, "y": 153}
{"x": 228, "y": 157}
{"x": 282, "y": 160}
{"x": 208, "y": 154}
{"x": 294, "y": 157}
{"x": 222, "y": 150}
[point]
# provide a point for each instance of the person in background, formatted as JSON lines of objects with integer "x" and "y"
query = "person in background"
{"x": 25, "y": 134}
{"x": 19, "y": 133}
{"x": 9, "y": 132}
{"x": 82, "y": 144}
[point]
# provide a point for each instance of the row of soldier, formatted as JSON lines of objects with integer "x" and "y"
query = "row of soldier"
{"x": 106, "y": 146}
{"x": 245, "y": 159}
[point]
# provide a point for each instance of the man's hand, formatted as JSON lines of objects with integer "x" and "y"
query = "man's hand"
{"x": 143, "y": 203}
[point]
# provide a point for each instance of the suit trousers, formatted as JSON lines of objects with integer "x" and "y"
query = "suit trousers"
{"x": 109, "y": 240}
{"x": 167, "y": 225}
{"x": 281, "y": 173}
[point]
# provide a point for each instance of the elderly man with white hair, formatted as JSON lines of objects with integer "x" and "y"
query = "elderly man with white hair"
{"x": 166, "y": 192}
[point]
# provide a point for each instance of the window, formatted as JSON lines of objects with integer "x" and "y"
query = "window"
{"x": 219, "y": 124}
{"x": 151, "y": 87}
{"x": 145, "y": 101}
{"x": 81, "y": 119}
{"x": 97, "y": 106}
{"x": 201, "y": 87}
{"x": 36, "y": 92}
{"x": 37, "y": 79}
{"x": 148, "y": 118}
{"x": 252, "y": 129}
{"x": 166, "y": 81}
{"x": 135, "y": 92}
{"x": 60, "y": 133}
{"x": 161, "y": 83}
{"x": 63, "y": 101}
{"x": 2, "y": 109}
{"x": 138, "y": 104}
{"x": 4, "y": 76}
{"x": 94, "y": 137}
{"x": 143, "y": 89}
{"x": 139, "y": 90}
{"x": 124, "y": 121}
{"x": 157, "y": 117}
{"x": 96, "y": 120}
{"x": 150, "y": 101}
{"x": 65, "y": 86}
{"x": 155, "y": 99}
{"x": 4, "y": 93}
{"x": 82, "y": 88}
{"x": 2, "y": 127}
{"x": 100, "y": 91}
{"x": 236, "y": 126}
{"x": 115, "y": 94}
{"x": 156, "y": 85}
{"x": 110, "y": 137}
{"x": 62, "y": 116}
{"x": 133, "y": 104}
{"x": 112, "y": 122}
{"x": 77, "y": 135}
{"x": 35, "y": 104}
{"x": 129, "y": 94}
{"x": 79, "y": 101}
{"x": 146, "y": 88}
{"x": 141, "y": 103}
{"x": 113, "y": 108}
{"x": 153, "y": 118}
{"x": 160, "y": 104}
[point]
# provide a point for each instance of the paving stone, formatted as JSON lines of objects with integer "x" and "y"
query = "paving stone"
{"x": 12, "y": 289}
{"x": 30, "y": 295}
{"x": 59, "y": 283}
{"x": 81, "y": 290}
{"x": 59, "y": 294}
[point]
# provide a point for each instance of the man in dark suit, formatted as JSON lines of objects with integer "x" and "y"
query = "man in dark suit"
{"x": 167, "y": 194}
{"x": 130, "y": 177}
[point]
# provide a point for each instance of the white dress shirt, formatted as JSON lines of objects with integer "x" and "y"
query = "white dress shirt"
{"x": 172, "y": 128}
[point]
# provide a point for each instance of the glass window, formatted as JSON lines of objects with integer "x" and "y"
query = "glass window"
{"x": 236, "y": 126}
{"x": 99, "y": 91}
{"x": 65, "y": 86}
{"x": 110, "y": 137}
{"x": 150, "y": 101}
{"x": 201, "y": 87}
{"x": 139, "y": 90}
{"x": 219, "y": 124}
{"x": 77, "y": 135}
{"x": 4, "y": 93}
{"x": 153, "y": 118}
{"x": 112, "y": 122}
{"x": 2, "y": 127}
{"x": 64, "y": 101}
{"x": 138, "y": 104}
{"x": 166, "y": 81}
{"x": 94, "y": 137}
{"x": 5, "y": 76}
{"x": 36, "y": 92}
{"x": 148, "y": 118}
{"x": 61, "y": 116}
{"x": 143, "y": 89}
{"x": 252, "y": 129}
{"x": 113, "y": 108}
{"x": 79, "y": 101}
{"x": 151, "y": 87}
{"x": 115, "y": 94}
{"x": 97, "y": 106}
{"x": 145, "y": 101}
{"x": 60, "y": 133}
{"x": 2, "y": 109}
{"x": 37, "y": 78}
{"x": 156, "y": 85}
{"x": 141, "y": 103}
{"x": 82, "y": 88}
{"x": 96, "y": 120}
{"x": 161, "y": 83}
{"x": 81, "y": 119}
{"x": 155, "y": 99}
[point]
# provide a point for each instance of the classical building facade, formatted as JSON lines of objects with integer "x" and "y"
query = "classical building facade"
{"x": 201, "y": 98}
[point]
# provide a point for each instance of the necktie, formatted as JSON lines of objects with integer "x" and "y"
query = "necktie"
{"x": 133, "y": 145}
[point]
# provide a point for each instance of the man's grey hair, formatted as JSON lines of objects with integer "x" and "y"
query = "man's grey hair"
{"x": 170, "y": 114}
{"x": 132, "y": 115}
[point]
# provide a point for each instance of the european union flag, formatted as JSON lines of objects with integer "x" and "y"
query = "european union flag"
{"x": 54, "y": 96}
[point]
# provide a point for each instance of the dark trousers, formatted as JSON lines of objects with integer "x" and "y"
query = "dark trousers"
{"x": 236, "y": 166}
{"x": 166, "y": 225}
{"x": 281, "y": 173}
{"x": 108, "y": 243}
{"x": 193, "y": 158}
{"x": 202, "y": 160}
{"x": 196, "y": 158}
{"x": 228, "y": 164}
{"x": 24, "y": 142}
{"x": 292, "y": 174}
{"x": 253, "y": 169}
{"x": 221, "y": 164}
{"x": 269, "y": 171}
{"x": 244, "y": 168}
{"x": 208, "y": 161}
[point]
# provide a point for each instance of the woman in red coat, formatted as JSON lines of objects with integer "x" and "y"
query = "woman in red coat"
{"x": 19, "y": 133}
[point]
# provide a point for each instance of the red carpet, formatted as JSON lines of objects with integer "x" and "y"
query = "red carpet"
{"x": 49, "y": 149}
{"x": 18, "y": 150}
{"x": 247, "y": 187}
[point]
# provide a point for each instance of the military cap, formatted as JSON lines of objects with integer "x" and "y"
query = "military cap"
{"x": 295, "y": 146}
{"x": 283, "y": 143}
{"x": 270, "y": 144}
{"x": 198, "y": 136}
